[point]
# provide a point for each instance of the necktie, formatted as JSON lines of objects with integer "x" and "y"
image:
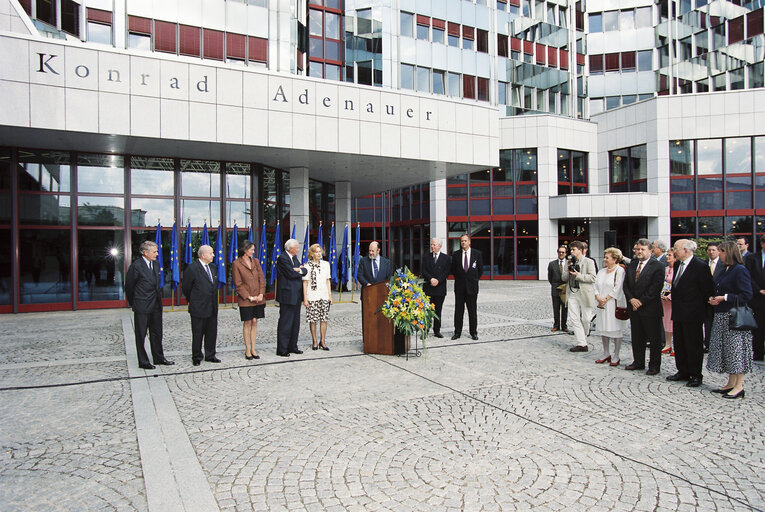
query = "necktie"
{"x": 680, "y": 271}
{"x": 465, "y": 262}
{"x": 209, "y": 274}
{"x": 639, "y": 269}
{"x": 374, "y": 268}
{"x": 435, "y": 257}
{"x": 712, "y": 267}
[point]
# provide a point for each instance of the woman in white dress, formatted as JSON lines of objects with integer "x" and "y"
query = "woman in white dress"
{"x": 609, "y": 294}
{"x": 317, "y": 294}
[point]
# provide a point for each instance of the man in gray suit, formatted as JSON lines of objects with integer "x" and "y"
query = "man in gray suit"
{"x": 579, "y": 276}
{"x": 555, "y": 278}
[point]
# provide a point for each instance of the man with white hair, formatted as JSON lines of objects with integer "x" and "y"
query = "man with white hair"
{"x": 660, "y": 252}
{"x": 289, "y": 294}
{"x": 692, "y": 286}
{"x": 435, "y": 271}
{"x": 200, "y": 287}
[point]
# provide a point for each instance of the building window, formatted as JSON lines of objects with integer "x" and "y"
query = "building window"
{"x": 453, "y": 85}
{"x": 407, "y": 77}
{"x": 423, "y": 79}
{"x": 439, "y": 82}
{"x": 610, "y": 21}
{"x": 482, "y": 41}
{"x": 407, "y": 24}
{"x": 596, "y": 23}
{"x": 572, "y": 172}
{"x": 628, "y": 169}
{"x": 165, "y": 37}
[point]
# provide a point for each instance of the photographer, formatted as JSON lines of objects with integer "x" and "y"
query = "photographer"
{"x": 579, "y": 276}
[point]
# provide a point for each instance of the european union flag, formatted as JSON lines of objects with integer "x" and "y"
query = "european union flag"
{"x": 294, "y": 228}
{"x": 233, "y": 247}
{"x": 305, "y": 246}
{"x": 333, "y": 254}
{"x": 174, "y": 263}
{"x": 249, "y": 235}
{"x": 220, "y": 259}
{"x": 345, "y": 256}
{"x": 187, "y": 253}
{"x": 357, "y": 251}
{"x": 262, "y": 249}
{"x": 205, "y": 236}
{"x": 320, "y": 240}
{"x": 160, "y": 259}
{"x": 276, "y": 252}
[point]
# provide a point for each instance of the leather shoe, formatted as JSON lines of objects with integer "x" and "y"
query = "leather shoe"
{"x": 579, "y": 348}
{"x": 212, "y": 360}
{"x": 678, "y": 376}
{"x": 474, "y": 336}
{"x": 196, "y": 363}
{"x": 740, "y": 394}
{"x": 298, "y": 351}
{"x": 721, "y": 391}
{"x": 165, "y": 362}
{"x": 146, "y": 366}
{"x": 633, "y": 366}
{"x": 456, "y": 336}
{"x": 285, "y": 354}
{"x": 694, "y": 382}
{"x": 438, "y": 335}
{"x": 555, "y": 329}
{"x": 652, "y": 371}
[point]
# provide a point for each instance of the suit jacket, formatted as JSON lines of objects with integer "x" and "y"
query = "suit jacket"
{"x": 201, "y": 293}
{"x": 554, "y": 276}
{"x": 690, "y": 294}
{"x": 289, "y": 284}
{"x": 719, "y": 269}
{"x": 661, "y": 259}
{"x": 585, "y": 278}
{"x": 249, "y": 282}
{"x": 647, "y": 288}
{"x": 753, "y": 264}
{"x": 735, "y": 281}
{"x": 467, "y": 282}
{"x": 384, "y": 273}
{"x": 142, "y": 286}
{"x": 438, "y": 270}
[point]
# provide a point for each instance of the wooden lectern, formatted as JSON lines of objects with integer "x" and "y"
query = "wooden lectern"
{"x": 377, "y": 330}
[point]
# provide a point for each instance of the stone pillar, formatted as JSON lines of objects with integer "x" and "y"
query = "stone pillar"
{"x": 299, "y": 194}
{"x": 438, "y": 226}
{"x": 547, "y": 187}
{"x": 343, "y": 203}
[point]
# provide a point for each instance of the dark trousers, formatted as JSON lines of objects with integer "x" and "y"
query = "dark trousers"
{"x": 438, "y": 302}
{"x": 688, "y": 338}
{"x": 153, "y": 323}
{"x": 560, "y": 312}
{"x": 646, "y": 330}
{"x": 471, "y": 301}
{"x": 203, "y": 329}
{"x": 288, "y": 328}
{"x": 758, "y": 335}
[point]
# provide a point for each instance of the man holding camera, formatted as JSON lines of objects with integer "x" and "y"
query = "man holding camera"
{"x": 579, "y": 276}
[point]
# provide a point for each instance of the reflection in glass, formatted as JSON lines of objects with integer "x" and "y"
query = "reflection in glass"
{"x": 46, "y": 171}
{"x": 101, "y": 257}
{"x": 44, "y": 266}
{"x": 44, "y": 209}
{"x": 407, "y": 76}
{"x": 759, "y": 154}
{"x": 200, "y": 178}
{"x": 139, "y": 236}
{"x": 145, "y": 212}
{"x": 100, "y": 211}
{"x": 151, "y": 176}
{"x": 200, "y": 212}
{"x": 710, "y": 225}
{"x": 682, "y": 202}
{"x": 738, "y": 155}
{"x": 680, "y": 158}
{"x": 100, "y": 174}
{"x": 238, "y": 181}
{"x": 709, "y": 156}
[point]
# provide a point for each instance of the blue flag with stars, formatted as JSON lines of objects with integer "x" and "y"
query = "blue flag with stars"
{"x": 220, "y": 260}
{"x": 345, "y": 257}
{"x": 276, "y": 252}
{"x": 187, "y": 256}
{"x": 294, "y": 231}
{"x": 174, "y": 262}
{"x": 205, "y": 236}
{"x": 249, "y": 235}
{"x": 320, "y": 240}
{"x": 262, "y": 249}
{"x": 305, "y": 247}
{"x": 233, "y": 247}
{"x": 160, "y": 259}
{"x": 333, "y": 254}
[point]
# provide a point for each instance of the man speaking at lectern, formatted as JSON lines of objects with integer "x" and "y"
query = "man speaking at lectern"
{"x": 374, "y": 268}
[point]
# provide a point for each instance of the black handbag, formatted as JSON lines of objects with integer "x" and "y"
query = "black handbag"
{"x": 741, "y": 318}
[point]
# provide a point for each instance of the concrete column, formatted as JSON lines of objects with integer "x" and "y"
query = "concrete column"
{"x": 119, "y": 29}
{"x": 438, "y": 226}
{"x": 547, "y": 187}
{"x": 343, "y": 203}
{"x": 299, "y": 194}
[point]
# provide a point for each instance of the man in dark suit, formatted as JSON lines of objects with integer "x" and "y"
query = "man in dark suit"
{"x": 660, "y": 252}
{"x": 643, "y": 282}
{"x": 586, "y": 252}
{"x": 467, "y": 267}
{"x": 755, "y": 263}
{"x": 374, "y": 268}
{"x": 692, "y": 287}
{"x": 435, "y": 271}
{"x": 200, "y": 287}
{"x": 554, "y": 277}
{"x": 289, "y": 294}
{"x": 743, "y": 246}
{"x": 716, "y": 269}
{"x": 144, "y": 294}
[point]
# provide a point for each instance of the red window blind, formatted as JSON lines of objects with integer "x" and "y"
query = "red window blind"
{"x": 236, "y": 46}
{"x": 423, "y": 20}
{"x": 516, "y": 44}
{"x": 468, "y": 32}
{"x": 483, "y": 89}
{"x": 612, "y": 62}
{"x": 468, "y": 86}
{"x": 528, "y": 47}
{"x": 189, "y": 39}
{"x": 552, "y": 56}
{"x": 516, "y": 3}
{"x": 736, "y": 30}
{"x": 502, "y": 49}
{"x": 140, "y": 25}
{"x": 164, "y": 37}
{"x": 454, "y": 29}
{"x": 628, "y": 60}
{"x": 541, "y": 53}
{"x": 563, "y": 59}
{"x": 100, "y": 16}
{"x": 754, "y": 23}
{"x": 580, "y": 58}
{"x": 439, "y": 24}
{"x": 596, "y": 63}
{"x": 258, "y": 49}
{"x": 213, "y": 44}
{"x": 27, "y": 5}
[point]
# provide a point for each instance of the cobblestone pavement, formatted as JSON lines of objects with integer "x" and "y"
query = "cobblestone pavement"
{"x": 511, "y": 422}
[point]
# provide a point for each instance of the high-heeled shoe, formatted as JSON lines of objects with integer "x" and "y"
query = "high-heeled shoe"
{"x": 615, "y": 363}
{"x": 606, "y": 359}
{"x": 740, "y": 394}
{"x": 247, "y": 357}
{"x": 324, "y": 347}
{"x": 721, "y": 390}
{"x": 666, "y": 350}
{"x": 256, "y": 356}
{"x": 314, "y": 347}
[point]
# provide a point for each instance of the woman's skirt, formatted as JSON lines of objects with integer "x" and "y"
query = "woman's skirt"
{"x": 729, "y": 351}
{"x": 317, "y": 311}
{"x": 249, "y": 312}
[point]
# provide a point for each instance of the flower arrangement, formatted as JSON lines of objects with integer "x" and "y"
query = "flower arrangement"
{"x": 407, "y": 305}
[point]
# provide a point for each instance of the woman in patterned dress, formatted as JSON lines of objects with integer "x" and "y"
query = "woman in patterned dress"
{"x": 730, "y": 351}
{"x": 609, "y": 294}
{"x": 666, "y": 302}
{"x": 317, "y": 294}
